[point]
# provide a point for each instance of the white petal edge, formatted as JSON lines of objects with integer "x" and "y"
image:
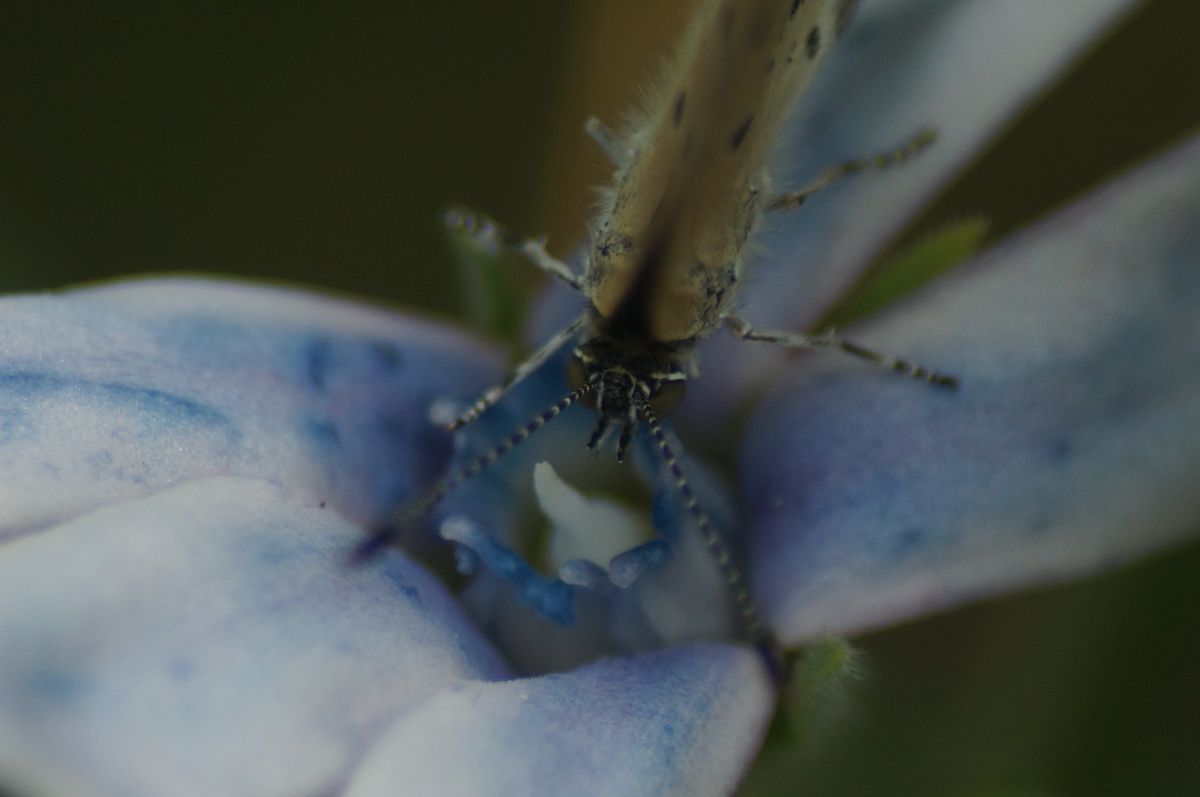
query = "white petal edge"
{"x": 212, "y": 639}
{"x": 110, "y": 393}
{"x": 1072, "y": 445}
{"x": 684, "y": 721}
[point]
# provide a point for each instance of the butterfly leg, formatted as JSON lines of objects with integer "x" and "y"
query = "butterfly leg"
{"x": 531, "y": 364}
{"x": 614, "y": 147}
{"x": 487, "y": 232}
{"x": 794, "y": 199}
{"x": 795, "y": 340}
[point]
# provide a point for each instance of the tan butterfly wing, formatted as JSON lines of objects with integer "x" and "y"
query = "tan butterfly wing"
{"x": 665, "y": 259}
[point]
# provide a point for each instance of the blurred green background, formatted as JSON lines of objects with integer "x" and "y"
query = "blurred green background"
{"x": 317, "y": 142}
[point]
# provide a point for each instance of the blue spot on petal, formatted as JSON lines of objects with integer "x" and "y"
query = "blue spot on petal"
{"x": 387, "y": 356}
{"x": 28, "y": 384}
{"x": 13, "y": 426}
{"x": 323, "y": 434}
{"x": 316, "y": 364}
{"x": 100, "y": 463}
{"x": 149, "y": 403}
{"x": 55, "y": 686}
{"x": 270, "y": 552}
{"x": 165, "y": 405}
{"x": 402, "y": 585}
{"x": 907, "y": 542}
{"x": 1060, "y": 450}
{"x": 180, "y": 670}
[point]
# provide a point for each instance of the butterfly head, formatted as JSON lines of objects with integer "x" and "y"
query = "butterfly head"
{"x": 627, "y": 382}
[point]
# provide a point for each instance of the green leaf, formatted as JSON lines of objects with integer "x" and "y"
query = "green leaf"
{"x": 491, "y": 297}
{"x": 922, "y": 261}
{"x": 810, "y": 704}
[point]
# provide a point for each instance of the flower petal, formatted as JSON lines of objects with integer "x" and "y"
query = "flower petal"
{"x": 962, "y": 67}
{"x": 1072, "y": 445}
{"x": 110, "y": 393}
{"x": 210, "y": 639}
{"x": 685, "y": 721}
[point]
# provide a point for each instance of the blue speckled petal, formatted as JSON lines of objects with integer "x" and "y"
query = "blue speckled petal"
{"x": 964, "y": 67}
{"x": 110, "y": 393}
{"x": 1073, "y": 444}
{"x": 211, "y": 639}
{"x": 681, "y": 722}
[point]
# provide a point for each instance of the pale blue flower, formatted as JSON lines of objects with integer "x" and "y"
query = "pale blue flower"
{"x": 187, "y": 463}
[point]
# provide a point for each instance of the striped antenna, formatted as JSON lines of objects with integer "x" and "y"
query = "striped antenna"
{"x": 749, "y": 617}
{"x": 451, "y": 481}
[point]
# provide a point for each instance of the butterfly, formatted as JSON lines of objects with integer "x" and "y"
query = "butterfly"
{"x": 665, "y": 250}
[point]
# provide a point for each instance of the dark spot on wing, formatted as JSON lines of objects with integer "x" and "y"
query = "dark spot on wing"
{"x": 713, "y": 282}
{"x": 614, "y": 246}
{"x": 795, "y": 7}
{"x": 679, "y": 103}
{"x": 739, "y": 135}
{"x": 812, "y": 44}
